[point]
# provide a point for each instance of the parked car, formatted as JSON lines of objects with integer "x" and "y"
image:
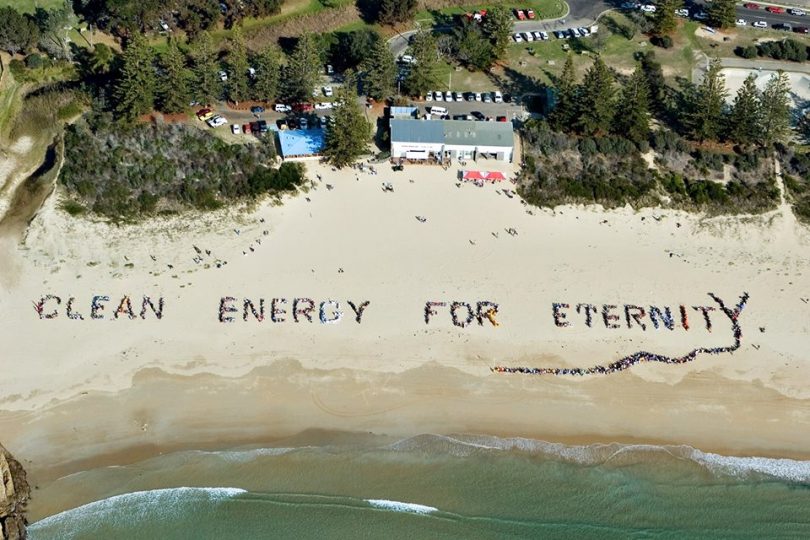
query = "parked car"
{"x": 487, "y": 98}
{"x": 236, "y": 129}
{"x": 527, "y": 36}
{"x": 324, "y": 121}
{"x": 537, "y": 36}
{"x": 518, "y": 38}
{"x": 700, "y": 16}
{"x": 303, "y": 123}
{"x": 282, "y": 108}
{"x": 262, "y": 125}
{"x": 502, "y": 119}
{"x": 630, "y": 5}
{"x": 741, "y": 22}
{"x": 438, "y": 96}
{"x": 760, "y": 24}
{"x": 329, "y": 69}
{"x": 469, "y": 96}
{"x": 574, "y": 33}
{"x": 530, "y": 14}
{"x": 429, "y": 96}
{"x": 683, "y": 12}
{"x": 520, "y": 15}
{"x": 246, "y": 129}
{"x": 458, "y": 96}
{"x": 797, "y": 12}
{"x": 256, "y": 109}
{"x": 327, "y": 91}
{"x": 448, "y": 96}
{"x": 323, "y": 105}
{"x": 223, "y": 76}
{"x": 303, "y": 107}
{"x": 801, "y": 29}
{"x": 751, "y": 5}
{"x": 478, "y": 96}
{"x": 478, "y": 115}
{"x": 204, "y": 114}
{"x": 559, "y": 34}
{"x": 497, "y": 97}
{"x": 543, "y": 35}
{"x": 459, "y": 117}
{"x": 407, "y": 59}
{"x": 775, "y": 9}
{"x": 648, "y": 8}
{"x": 783, "y": 26}
{"x": 584, "y": 31}
{"x": 216, "y": 121}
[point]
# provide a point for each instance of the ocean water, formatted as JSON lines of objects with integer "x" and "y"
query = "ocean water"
{"x": 434, "y": 487}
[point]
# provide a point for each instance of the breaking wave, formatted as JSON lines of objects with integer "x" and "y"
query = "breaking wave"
{"x": 396, "y": 506}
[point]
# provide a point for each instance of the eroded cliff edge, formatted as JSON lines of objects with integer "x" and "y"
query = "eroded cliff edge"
{"x": 14, "y": 492}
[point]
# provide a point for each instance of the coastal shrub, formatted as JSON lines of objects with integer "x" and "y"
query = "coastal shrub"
{"x": 34, "y": 61}
{"x": 788, "y": 49}
{"x": 665, "y": 42}
{"x": 665, "y": 140}
{"x": 749, "y": 52}
{"x": 705, "y": 159}
{"x": 126, "y": 172}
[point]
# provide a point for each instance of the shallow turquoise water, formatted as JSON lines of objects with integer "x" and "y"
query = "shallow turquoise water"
{"x": 438, "y": 487}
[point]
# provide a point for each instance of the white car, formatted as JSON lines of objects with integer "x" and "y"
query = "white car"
{"x": 448, "y": 96}
{"x": 574, "y": 32}
{"x": 497, "y": 97}
{"x": 303, "y": 123}
{"x": 327, "y": 91}
{"x": 438, "y": 96}
{"x": 323, "y": 105}
{"x": 543, "y": 35}
{"x": 797, "y": 12}
{"x": 518, "y": 38}
{"x": 407, "y": 59}
{"x": 682, "y": 12}
{"x": 324, "y": 121}
{"x": 223, "y": 76}
{"x": 458, "y": 96}
{"x": 478, "y": 96}
{"x": 527, "y": 36}
{"x": 429, "y": 96}
{"x": 648, "y": 8}
{"x": 280, "y": 107}
{"x": 216, "y": 121}
{"x": 236, "y": 129}
{"x": 164, "y": 26}
{"x": 537, "y": 36}
{"x": 760, "y": 24}
{"x": 741, "y": 22}
{"x": 584, "y": 31}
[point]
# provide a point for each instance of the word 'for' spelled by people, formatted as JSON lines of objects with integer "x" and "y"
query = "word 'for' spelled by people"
{"x": 48, "y": 307}
{"x": 299, "y": 309}
{"x": 462, "y": 313}
{"x": 612, "y": 316}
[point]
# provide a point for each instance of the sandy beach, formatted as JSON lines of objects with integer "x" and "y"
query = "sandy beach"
{"x": 82, "y": 393}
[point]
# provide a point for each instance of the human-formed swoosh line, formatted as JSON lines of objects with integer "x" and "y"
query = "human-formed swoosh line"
{"x": 642, "y": 356}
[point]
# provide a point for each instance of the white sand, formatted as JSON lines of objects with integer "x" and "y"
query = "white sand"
{"x": 799, "y": 83}
{"x": 571, "y": 255}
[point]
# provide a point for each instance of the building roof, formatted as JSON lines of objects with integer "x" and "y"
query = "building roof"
{"x": 300, "y": 142}
{"x": 456, "y": 132}
{"x": 404, "y": 111}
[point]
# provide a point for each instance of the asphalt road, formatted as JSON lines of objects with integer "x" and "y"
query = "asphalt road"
{"x": 752, "y": 15}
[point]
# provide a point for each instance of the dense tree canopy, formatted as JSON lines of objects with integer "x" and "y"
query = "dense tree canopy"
{"x": 350, "y": 132}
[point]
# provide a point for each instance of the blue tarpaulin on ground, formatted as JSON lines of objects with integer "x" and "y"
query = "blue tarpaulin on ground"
{"x": 300, "y": 142}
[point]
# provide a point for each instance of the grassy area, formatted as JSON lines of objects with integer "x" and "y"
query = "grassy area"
{"x": 290, "y": 10}
{"x": 10, "y": 99}
{"x": 29, "y": 6}
{"x": 544, "y": 9}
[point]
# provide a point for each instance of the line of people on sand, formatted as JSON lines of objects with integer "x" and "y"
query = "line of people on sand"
{"x": 636, "y": 358}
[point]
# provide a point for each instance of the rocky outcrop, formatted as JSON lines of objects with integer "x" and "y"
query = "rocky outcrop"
{"x": 14, "y": 492}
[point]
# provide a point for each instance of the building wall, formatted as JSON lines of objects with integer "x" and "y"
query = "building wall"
{"x": 400, "y": 150}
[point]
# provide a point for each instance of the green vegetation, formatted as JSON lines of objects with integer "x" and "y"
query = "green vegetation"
{"x": 544, "y": 9}
{"x": 303, "y": 70}
{"x": 379, "y": 71}
{"x": 425, "y": 52}
{"x": 350, "y": 132}
{"x": 127, "y": 172}
{"x": 788, "y": 49}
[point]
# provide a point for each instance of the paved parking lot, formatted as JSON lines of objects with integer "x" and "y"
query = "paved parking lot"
{"x": 510, "y": 110}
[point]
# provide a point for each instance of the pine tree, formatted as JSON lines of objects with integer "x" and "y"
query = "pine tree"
{"x": 664, "y": 21}
{"x": 565, "y": 109}
{"x": 745, "y": 120}
{"x": 704, "y": 116}
{"x": 268, "y": 66}
{"x": 380, "y": 71}
{"x": 135, "y": 90}
{"x": 207, "y": 84}
{"x": 473, "y": 48}
{"x": 723, "y": 13}
{"x": 174, "y": 85}
{"x": 238, "y": 63}
{"x": 102, "y": 59}
{"x": 776, "y": 109}
{"x": 303, "y": 69}
{"x": 396, "y": 11}
{"x": 632, "y": 118}
{"x": 498, "y": 26}
{"x": 423, "y": 71}
{"x": 348, "y": 136}
{"x": 596, "y": 99}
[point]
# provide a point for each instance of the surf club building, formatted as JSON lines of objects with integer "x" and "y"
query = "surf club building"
{"x": 440, "y": 140}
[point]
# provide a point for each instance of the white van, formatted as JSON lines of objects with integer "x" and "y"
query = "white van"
{"x": 438, "y": 110}
{"x": 497, "y": 97}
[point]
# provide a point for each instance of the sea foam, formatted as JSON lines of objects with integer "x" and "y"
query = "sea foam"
{"x": 397, "y": 506}
{"x": 139, "y": 504}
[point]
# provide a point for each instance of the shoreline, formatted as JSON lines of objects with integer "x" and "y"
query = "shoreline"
{"x": 78, "y": 394}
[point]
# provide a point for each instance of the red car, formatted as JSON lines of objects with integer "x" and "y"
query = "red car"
{"x": 246, "y": 129}
{"x": 502, "y": 119}
{"x": 751, "y": 5}
{"x": 530, "y": 13}
{"x": 303, "y": 107}
{"x": 774, "y": 9}
{"x": 520, "y": 15}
